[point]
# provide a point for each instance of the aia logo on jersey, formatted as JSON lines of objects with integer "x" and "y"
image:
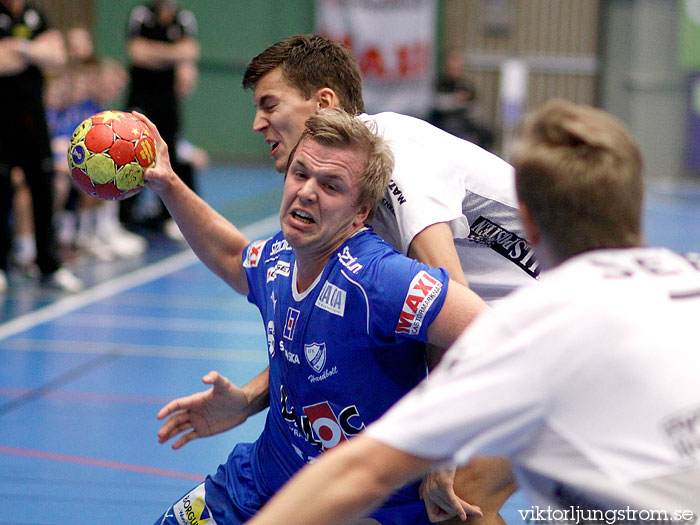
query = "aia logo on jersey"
{"x": 252, "y": 256}
{"x": 316, "y": 355}
{"x": 422, "y": 293}
{"x": 332, "y": 299}
{"x": 329, "y": 429}
{"x": 291, "y": 323}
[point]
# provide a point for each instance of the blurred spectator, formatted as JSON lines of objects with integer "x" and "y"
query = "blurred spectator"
{"x": 27, "y": 44}
{"x": 163, "y": 50}
{"x": 93, "y": 84}
{"x": 456, "y": 108}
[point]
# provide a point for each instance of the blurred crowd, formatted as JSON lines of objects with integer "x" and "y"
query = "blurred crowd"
{"x": 74, "y": 83}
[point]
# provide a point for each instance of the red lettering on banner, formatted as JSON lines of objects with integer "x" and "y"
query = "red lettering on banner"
{"x": 372, "y": 62}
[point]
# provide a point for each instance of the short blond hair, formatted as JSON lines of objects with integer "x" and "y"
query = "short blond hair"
{"x": 336, "y": 128}
{"x": 579, "y": 172}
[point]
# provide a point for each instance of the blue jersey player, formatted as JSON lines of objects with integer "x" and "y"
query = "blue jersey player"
{"x": 346, "y": 318}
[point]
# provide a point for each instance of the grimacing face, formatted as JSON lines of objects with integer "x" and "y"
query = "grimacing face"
{"x": 320, "y": 209}
{"x": 280, "y": 113}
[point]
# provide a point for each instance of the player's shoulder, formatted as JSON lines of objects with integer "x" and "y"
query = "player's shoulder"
{"x": 265, "y": 251}
{"x": 370, "y": 261}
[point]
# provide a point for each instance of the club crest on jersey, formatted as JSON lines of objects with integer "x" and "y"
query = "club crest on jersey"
{"x": 505, "y": 243}
{"x": 316, "y": 355}
{"x": 281, "y": 268}
{"x": 253, "y": 254}
{"x": 422, "y": 293}
{"x": 291, "y": 323}
{"x": 332, "y": 299}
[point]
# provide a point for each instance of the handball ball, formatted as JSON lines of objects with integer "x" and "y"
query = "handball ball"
{"x": 108, "y": 153}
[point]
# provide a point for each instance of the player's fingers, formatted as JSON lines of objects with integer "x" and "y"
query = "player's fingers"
{"x": 174, "y": 426}
{"x": 173, "y": 406}
{"x": 185, "y": 439}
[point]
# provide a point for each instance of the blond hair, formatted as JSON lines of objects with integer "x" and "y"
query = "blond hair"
{"x": 579, "y": 172}
{"x": 336, "y": 128}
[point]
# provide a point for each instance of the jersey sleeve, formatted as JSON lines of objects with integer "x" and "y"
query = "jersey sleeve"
{"x": 253, "y": 264}
{"x": 483, "y": 398}
{"x": 405, "y": 297}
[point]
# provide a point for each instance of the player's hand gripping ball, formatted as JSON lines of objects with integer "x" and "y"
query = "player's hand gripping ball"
{"x": 108, "y": 153}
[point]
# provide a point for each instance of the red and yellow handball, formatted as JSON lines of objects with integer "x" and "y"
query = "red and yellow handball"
{"x": 108, "y": 153}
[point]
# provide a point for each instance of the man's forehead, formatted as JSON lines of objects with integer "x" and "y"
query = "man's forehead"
{"x": 273, "y": 83}
{"x": 329, "y": 160}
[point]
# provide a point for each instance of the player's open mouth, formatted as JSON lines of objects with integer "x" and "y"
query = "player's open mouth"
{"x": 303, "y": 217}
{"x": 273, "y": 146}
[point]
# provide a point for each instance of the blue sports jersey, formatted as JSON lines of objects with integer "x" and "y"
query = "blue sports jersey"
{"x": 341, "y": 353}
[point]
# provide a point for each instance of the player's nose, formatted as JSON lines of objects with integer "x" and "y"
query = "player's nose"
{"x": 260, "y": 123}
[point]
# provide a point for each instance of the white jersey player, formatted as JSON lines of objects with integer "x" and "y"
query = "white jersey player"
{"x": 597, "y": 404}
{"x": 439, "y": 178}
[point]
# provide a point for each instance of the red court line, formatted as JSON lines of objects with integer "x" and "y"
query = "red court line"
{"x": 94, "y": 462}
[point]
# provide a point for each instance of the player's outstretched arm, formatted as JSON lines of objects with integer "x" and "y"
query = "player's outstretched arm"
{"x": 217, "y": 242}
{"x": 344, "y": 484}
{"x": 221, "y": 408}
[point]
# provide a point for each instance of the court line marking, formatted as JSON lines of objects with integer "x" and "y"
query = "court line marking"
{"x": 168, "y": 324}
{"x": 112, "y": 287}
{"x": 94, "y": 462}
{"x": 90, "y": 397}
{"x": 55, "y": 383}
{"x": 57, "y": 346}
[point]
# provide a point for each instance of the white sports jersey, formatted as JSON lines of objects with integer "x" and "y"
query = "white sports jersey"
{"x": 588, "y": 382}
{"x": 441, "y": 178}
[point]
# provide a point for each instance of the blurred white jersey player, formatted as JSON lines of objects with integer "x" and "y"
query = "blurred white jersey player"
{"x": 599, "y": 414}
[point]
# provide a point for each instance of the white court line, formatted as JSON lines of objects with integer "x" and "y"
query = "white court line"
{"x": 112, "y": 287}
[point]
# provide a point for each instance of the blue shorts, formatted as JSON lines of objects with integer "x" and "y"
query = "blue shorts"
{"x": 232, "y": 496}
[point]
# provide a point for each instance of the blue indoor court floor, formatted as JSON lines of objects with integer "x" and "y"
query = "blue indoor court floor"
{"x": 83, "y": 376}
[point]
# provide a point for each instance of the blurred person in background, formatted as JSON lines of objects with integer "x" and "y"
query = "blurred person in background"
{"x": 28, "y": 44}
{"x": 161, "y": 39}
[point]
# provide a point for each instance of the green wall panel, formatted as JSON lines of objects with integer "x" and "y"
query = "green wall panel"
{"x": 219, "y": 114}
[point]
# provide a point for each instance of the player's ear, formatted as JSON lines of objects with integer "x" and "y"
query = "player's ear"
{"x": 326, "y": 98}
{"x": 532, "y": 232}
{"x": 362, "y": 214}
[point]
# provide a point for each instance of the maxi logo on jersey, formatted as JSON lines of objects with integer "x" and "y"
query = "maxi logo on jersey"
{"x": 319, "y": 425}
{"x": 422, "y": 293}
{"x": 505, "y": 243}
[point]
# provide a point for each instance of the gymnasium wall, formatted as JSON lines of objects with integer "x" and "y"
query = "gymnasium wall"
{"x": 219, "y": 114}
